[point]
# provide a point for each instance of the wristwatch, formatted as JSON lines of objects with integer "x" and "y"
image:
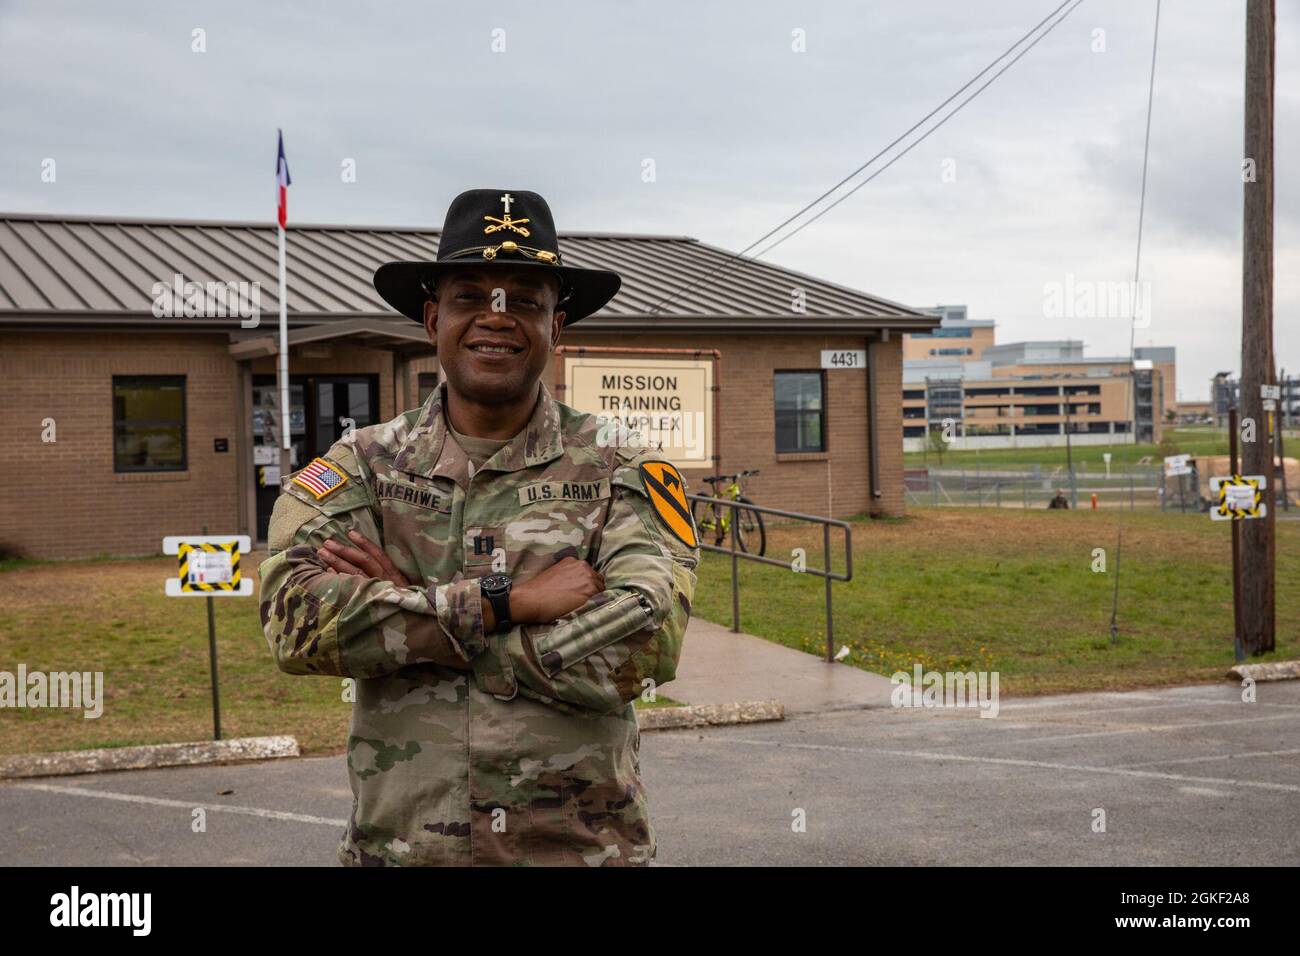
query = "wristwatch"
{"x": 496, "y": 588}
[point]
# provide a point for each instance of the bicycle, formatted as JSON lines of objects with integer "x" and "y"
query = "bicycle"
{"x": 716, "y": 519}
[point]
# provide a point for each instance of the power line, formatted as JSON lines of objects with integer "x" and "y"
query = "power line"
{"x": 925, "y": 136}
{"x": 771, "y": 232}
{"x": 1132, "y": 330}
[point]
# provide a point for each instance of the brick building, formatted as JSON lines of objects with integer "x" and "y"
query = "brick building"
{"x": 142, "y": 395}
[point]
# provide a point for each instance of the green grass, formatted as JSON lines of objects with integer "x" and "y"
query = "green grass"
{"x": 1010, "y": 591}
{"x": 112, "y": 616}
{"x": 1014, "y": 592}
{"x": 1193, "y": 440}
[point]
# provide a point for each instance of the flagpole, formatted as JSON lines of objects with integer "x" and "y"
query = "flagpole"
{"x": 283, "y": 372}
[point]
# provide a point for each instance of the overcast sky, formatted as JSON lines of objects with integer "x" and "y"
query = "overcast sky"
{"x": 742, "y": 131}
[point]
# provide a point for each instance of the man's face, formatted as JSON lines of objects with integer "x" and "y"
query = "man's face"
{"x": 494, "y": 330}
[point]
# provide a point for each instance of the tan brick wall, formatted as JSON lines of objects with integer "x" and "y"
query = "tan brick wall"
{"x": 835, "y": 483}
{"x": 63, "y": 499}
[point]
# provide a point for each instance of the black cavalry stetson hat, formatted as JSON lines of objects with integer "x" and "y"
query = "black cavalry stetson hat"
{"x": 499, "y": 228}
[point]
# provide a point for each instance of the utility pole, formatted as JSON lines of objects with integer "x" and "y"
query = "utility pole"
{"x": 1069, "y": 459}
{"x": 1257, "y": 537}
{"x": 1281, "y": 446}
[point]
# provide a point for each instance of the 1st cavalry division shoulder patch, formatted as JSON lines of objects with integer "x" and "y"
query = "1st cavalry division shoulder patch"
{"x": 321, "y": 478}
{"x": 663, "y": 483}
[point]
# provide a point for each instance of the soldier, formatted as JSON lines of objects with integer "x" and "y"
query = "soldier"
{"x": 501, "y": 574}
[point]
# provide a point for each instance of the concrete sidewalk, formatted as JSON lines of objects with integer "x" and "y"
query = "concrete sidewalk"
{"x": 719, "y": 667}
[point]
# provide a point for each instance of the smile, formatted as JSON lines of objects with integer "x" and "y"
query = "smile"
{"x": 497, "y": 349}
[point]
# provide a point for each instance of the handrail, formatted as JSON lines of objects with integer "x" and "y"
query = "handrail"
{"x": 824, "y": 573}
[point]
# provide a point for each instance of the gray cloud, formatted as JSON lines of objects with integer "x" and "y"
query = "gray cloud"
{"x": 741, "y": 129}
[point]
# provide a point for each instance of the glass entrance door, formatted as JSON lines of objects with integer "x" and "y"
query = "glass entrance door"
{"x": 323, "y": 409}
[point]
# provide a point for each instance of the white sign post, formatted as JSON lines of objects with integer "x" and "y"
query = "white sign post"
{"x": 208, "y": 566}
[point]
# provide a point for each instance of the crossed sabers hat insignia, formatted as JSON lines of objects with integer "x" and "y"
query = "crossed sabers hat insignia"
{"x": 505, "y": 222}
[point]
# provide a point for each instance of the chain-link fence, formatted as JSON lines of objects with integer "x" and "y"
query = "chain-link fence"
{"x": 1038, "y": 486}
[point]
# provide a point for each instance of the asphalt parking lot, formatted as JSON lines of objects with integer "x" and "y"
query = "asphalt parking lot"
{"x": 1184, "y": 776}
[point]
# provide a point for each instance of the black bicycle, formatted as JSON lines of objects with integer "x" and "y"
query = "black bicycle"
{"x": 715, "y": 519}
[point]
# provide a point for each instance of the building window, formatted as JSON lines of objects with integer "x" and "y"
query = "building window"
{"x": 800, "y": 422}
{"x": 149, "y": 423}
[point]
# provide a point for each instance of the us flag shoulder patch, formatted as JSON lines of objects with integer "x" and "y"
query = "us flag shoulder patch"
{"x": 321, "y": 478}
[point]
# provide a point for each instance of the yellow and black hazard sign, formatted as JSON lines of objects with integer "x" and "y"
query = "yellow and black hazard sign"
{"x": 209, "y": 567}
{"x": 1239, "y": 498}
{"x": 667, "y": 491}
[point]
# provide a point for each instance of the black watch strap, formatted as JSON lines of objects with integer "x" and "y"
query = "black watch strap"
{"x": 500, "y": 601}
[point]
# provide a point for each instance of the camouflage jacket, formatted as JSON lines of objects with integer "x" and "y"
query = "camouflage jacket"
{"x": 466, "y": 748}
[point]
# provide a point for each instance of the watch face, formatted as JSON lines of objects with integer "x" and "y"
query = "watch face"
{"x": 494, "y": 583}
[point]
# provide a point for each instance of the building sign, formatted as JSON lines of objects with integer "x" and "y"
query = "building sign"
{"x": 208, "y": 565}
{"x": 670, "y": 401}
{"x": 1238, "y": 498}
{"x": 1176, "y": 465}
{"x": 844, "y": 358}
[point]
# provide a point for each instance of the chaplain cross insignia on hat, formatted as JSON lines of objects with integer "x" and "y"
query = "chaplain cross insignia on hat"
{"x": 505, "y": 222}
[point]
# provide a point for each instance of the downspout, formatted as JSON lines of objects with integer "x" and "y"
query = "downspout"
{"x": 873, "y": 423}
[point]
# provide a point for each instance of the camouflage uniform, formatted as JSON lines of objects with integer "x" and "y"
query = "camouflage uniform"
{"x": 466, "y": 748}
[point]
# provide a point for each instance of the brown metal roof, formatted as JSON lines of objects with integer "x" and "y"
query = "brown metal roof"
{"x": 67, "y": 271}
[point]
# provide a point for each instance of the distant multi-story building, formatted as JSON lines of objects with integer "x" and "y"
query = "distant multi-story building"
{"x": 957, "y": 339}
{"x": 1030, "y": 393}
{"x": 1225, "y": 392}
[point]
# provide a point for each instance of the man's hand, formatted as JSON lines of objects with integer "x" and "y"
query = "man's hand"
{"x": 563, "y": 587}
{"x": 366, "y": 559}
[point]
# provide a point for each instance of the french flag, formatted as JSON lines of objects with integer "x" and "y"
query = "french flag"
{"x": 282, "y": 182}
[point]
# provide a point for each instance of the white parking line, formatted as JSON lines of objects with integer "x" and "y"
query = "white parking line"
{"x": 181, "y": 804}
{"x": 1159, "y": 701}
{"x": 1013, "y": 762}
{"x": 1234, "y": 702}
{"x": 1213, "y": 757}
{"x": 1148, "y": 729}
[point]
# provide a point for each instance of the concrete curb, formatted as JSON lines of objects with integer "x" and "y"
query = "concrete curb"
{"x": 142, "y": 758}
{"x": 1278, "y": 670}
{"x": 706, "y": 715}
